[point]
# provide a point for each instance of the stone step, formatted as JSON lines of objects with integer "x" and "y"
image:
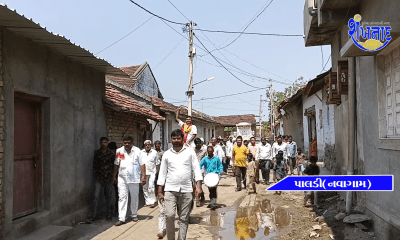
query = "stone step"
{"x": 50, "y": 232}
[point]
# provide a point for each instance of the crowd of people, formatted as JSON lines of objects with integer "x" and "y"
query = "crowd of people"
{"x": 172, "y": 180}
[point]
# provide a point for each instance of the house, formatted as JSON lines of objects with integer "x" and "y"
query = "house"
{"x": 125, "y": 115}
{"x": 228, "y": 123}
{"x": 51, "y": 119}
{"x": 364, "y": 90}
{"x": 142, "y": 82}
{"x": 205, "y": 124}
{"x": 292, "y": 117}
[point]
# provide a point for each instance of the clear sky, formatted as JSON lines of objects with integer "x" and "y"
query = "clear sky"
{"x": 96, "y": 24}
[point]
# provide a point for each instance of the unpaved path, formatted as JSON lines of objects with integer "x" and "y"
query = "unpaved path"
{"x": 241, "y": 216}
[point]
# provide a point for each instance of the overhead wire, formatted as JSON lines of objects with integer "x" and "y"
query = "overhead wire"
{"x": 155, "y": 15}
{"x": 252, "y": 33}
{"x": 222, "y": 64}
{"x": 246, "y": 26}
{"x": 166, "y": 56}
{"x": 124, "y": 36}
{"x": 228, "y": 95}
{"x": 179, "y": 10}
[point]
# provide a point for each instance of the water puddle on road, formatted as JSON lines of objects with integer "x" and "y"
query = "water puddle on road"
{"x": 262, "y": 221}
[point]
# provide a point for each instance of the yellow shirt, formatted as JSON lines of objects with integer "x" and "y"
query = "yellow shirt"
{"x": 240, "y": 155}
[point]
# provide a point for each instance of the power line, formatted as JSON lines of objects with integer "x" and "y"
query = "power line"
{"x": 252, "y": 33}
{"x": 124, "y": 36}
{"x": 249, "y": 74}
{"x": 325, "y": 64}
{"x": 228, "y": 95}
{"x": 178, "y": 10}
{"x": 222, "y": 64}
{"x": 166, "y": 56}
{"x": 155, "y": 15}
{"x": 247, "y": 26}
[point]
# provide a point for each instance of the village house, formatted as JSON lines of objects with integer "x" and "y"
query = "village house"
{"x": 51, "y": 119}
{"x": 129, "y": 113}
{"x": 364, "y": 90}
{"x": 228, "y": 123}
{"x": 141, "y": 86}
{"x": 307, "y": 116}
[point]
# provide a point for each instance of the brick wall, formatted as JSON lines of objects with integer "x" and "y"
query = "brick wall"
{"x": 120, "y": 124}
{"x": 1, "y": 137}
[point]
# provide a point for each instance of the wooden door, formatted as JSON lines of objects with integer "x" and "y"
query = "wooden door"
{"x": 26, "y": 119}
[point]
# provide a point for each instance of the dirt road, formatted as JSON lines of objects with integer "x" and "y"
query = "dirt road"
{"x": 240, "y": 216}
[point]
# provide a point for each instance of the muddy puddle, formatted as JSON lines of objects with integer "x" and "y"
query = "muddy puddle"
{"x": 265, "y": 220}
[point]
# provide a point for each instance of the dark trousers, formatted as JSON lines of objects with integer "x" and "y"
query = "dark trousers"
{"x": 240, "y": 175}
{"x": 213, "y": 195}
{"x": 265, "y": 168}
{"x": 292, "y": 163}
{"x": 107, "y": 188}
{"x": 225, "y": 164}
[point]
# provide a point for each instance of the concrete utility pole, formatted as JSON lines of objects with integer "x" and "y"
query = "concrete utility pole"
{"x": 271, "y": 94}
{"x": 260, "y": 115}
{"x": 190, "y": 92}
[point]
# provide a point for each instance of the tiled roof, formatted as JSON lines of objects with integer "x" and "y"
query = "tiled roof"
{"x": 235, "y": 119}
{"x": 168, "y": 107}
{"x": 131, "y": 70}
{"x": 26, "y": 27}
{"x": 296, "y": 95}
{"x": 128, "y": 81}
{"x": 121, "y": 102}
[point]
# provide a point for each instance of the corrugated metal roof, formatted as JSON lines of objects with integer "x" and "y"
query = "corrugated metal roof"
{"x": 18, "y": 23}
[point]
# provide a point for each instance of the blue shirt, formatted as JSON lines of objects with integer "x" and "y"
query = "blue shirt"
{"x": 213, "y": 165}
{"x": 292, "y": 149}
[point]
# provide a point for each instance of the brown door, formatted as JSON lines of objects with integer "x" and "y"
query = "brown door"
{"x": 25, "y": 155}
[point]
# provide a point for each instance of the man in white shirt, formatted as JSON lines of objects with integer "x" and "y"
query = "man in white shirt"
{"x": 218, "y": 151}
{"x": 130, "y": 168}
{"x": 150, "y": 158}
{"x": 253, "y": 148}
{"x": 175, "y": 179}
{"x": 279, "y": 145}
{"x": 229, "y": 148}
{"x": 189, "y": 130}
{"x": 265, "y": 156}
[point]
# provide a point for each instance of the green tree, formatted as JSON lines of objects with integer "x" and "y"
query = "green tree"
{"x": 289, "y": 91}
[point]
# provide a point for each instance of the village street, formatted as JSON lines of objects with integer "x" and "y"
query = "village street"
{"x": 290, "y": 219}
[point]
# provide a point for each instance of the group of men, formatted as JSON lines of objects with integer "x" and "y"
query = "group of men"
{"x": 179, "y": 172}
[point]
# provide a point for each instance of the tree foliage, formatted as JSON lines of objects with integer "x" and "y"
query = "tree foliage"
{"x": 289, "y": 91}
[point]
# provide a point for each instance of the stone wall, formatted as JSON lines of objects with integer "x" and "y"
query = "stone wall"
{"x": 120, "y": 124}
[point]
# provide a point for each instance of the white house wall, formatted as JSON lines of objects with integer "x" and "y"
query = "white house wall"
{"x": 307, "y": 103}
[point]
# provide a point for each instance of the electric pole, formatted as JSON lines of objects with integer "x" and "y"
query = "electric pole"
{"x": 272, "y": 111}
{"x": 190, "y": 92}
{"x": 260, "y": 115}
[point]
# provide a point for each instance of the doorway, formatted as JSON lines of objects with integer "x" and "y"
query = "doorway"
{"x": 27, "y": 156}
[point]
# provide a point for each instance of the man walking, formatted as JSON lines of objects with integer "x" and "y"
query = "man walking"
{"x": 176, "y": 180}
{"x": 229, "y": 148}
{"x": 189, "y": 130}
{"x": 253, "y": 148}
{"x": 279, "y": 146}
{"x": 218, "y": 151}
{"x": 239, "y": 157}
{"x": 265, "y": 156}
{"x": 130, "y": 167}
{"x": 292, "y": 151}
{"x": 212, "y": 164}
{"x": 201, "y": 152}
{"x": 161, "y": 207}
{"x": 103, "y": 163}
{"x": 149, "y": 157}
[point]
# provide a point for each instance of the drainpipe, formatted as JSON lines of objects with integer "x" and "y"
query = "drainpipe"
{"x": 352, "y": 129}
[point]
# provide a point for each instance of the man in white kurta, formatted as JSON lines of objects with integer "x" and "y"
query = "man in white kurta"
{"x": 188, "y": 128}
{"x": 149, "y": 157}
{"x": 131, "y": 171}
